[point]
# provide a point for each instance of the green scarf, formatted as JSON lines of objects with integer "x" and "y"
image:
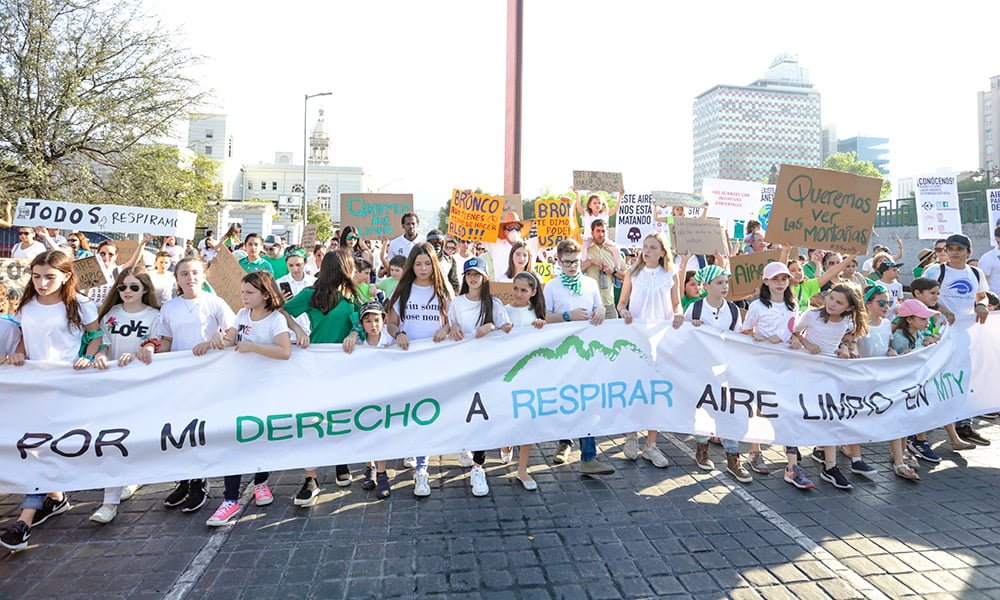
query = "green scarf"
{"x": 572, "y": 283}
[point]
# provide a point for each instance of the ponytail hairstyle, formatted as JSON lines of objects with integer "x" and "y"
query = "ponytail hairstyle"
{"x": 405, "y": 285}
{"x": 334, "y": 280}
{"x": 537, "y": 302}
{"x": 263, "y": 282}
{"x": 114, "y": 296}
{"x": 60, "y": 261}
{"x": 857, "y": 311}
{"x": 787, "y": 298}
{"x": 485, "y": 299}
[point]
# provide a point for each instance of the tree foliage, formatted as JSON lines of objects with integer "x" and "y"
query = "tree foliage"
{"x": 82, "y": 82}
{"x": 159, "y": 176}
{"x": 321, "y": 219}
{"x": 848, "y": 162}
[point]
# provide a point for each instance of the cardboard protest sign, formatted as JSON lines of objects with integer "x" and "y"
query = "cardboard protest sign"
{"x": 88, "y": 273}
{"x": 125, "y": 248}
{"x": 748, "y": 270}
{"x": 938, "y": 213}
{"x": 598, "y": 181}
{"x": 309, "y": 237}
{"x": 634, "y": 220}
{"x": 553, "y": 221}
{"x": 474, "y": 217}
{"x": 225, "y": 275}
{"x": 766, "y": 200}
{"x": 544, "y": 270}
{"x": 15, "y": 274}
{"x": 698, "y": 236}
{"x": 104, "y": 217}
{"x": 375, "y": 215}
{"x": 731, "y": 201}
{"x": 824, "y": 209}
{"x": 993, "y": 204}
{"x": 677, "y": 199}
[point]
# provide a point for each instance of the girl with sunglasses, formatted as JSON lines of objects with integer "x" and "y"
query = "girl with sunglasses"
{"x": 130, "y": 321}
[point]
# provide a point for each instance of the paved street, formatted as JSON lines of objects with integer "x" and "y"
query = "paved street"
{"x": 641, "y": 533}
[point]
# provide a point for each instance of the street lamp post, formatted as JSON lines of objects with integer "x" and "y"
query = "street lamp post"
{"x": 305, "y": 153}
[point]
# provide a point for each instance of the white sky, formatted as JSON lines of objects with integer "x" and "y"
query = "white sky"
{"x": 418, "y": 87}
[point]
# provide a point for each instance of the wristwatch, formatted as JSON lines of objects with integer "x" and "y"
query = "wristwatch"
{"x": 399, "y": 333}
{"x": 565, "y": 316}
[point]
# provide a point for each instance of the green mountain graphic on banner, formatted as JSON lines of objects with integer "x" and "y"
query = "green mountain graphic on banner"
{"x": 574, "y": 343}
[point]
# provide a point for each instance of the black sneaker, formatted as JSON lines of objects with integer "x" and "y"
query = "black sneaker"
{"x": 197, "y": 495}
{"x": 308, "y": 492}
{"x": 343, "y": 475}
{"x": 834, "y": 476}
{"x": 819, "y": 456}
{"x": 176, "y": 497}
{"x": 50, "y": 508}
{"x": 384, "y": 490}
{"x": 368, "y": 483}
{"x": 969, "y": 434}
{"x": 16, "y": 536}
{"x": 860, "y": 467}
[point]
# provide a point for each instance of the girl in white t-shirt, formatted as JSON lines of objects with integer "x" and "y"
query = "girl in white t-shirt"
{"x": 651, "y": 292}
{"x": 259, "y": 329}
{"x": 477, "y": 312}
{"x": 57, "y": 324}
{"x": 596, "y": 208}
{"x": 418, "y": 309}
{"x": 527, "y": 309}
{"x": 195, "y": 320}
{"x": 130, "y": 320}
{"x": 830, "y": 331}
{"x": 518, "y": 261}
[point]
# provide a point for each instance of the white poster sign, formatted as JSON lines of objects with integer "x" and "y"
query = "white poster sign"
{"x": 104, "y": 218}
{"x": 938, "y": 213}
{"x": 766, "y": 200}
{"x": 993, "y": 203}
{"x": 243, "y": 413}
{"x": 634, "y": 220}
{"x": 730, "y": 200}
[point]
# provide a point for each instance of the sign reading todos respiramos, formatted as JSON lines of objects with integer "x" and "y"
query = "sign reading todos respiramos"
{"x": 104, "y": 217}
{"x": 375, "y": 215}
{"x": 565, "y": 380}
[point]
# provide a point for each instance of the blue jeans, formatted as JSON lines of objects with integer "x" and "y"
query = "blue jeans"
{"x": 731, "y": 446}
{"x": 421, "y": 462}
{"x": 33, "y": 501}
{"x": 588, "y": 449}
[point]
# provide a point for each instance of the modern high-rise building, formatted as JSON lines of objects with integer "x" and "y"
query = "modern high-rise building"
{"x": 740, "y": 132}
{"x": 828, "y": 141}
{"x": 989, "y": 124}
{"x": 868, "y": 149}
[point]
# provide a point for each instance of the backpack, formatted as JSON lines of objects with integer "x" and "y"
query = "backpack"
{"x": 733, "y": 311}
{"x": 979, "y": 274}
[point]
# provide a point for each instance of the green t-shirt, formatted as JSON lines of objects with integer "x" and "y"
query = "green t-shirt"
{"x": 278, "y": 266}
{"x": 809, "y": 269}
{"x": 388, "y": 286}
{"x": 804, "y": 291}
{"x": 366, "y": 292}
{"x": 917, "y": 272}
{"x": 687, "y": 301}
{"x": 260, "y": 264}
{"x": 330, "y": 328}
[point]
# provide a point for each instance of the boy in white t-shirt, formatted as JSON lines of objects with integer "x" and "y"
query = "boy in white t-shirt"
{"x": 889, "y": 272}
{"x": 573, "y": 297}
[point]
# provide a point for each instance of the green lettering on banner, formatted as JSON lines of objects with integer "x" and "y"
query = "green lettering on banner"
{"x": 405, "y": 413}
{"x": 357, "y": 418}
{"x": 416, "y": 411}
{"x": 330, "y": 421}
{"x": 239, "y": 429}
{"x": 272, "y": 428}
{"x": 301, "y": 425}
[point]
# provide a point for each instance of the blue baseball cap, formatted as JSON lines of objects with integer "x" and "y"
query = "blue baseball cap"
{"x": 476, "y": 263}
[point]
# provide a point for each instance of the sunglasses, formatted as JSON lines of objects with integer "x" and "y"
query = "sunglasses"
{"x": 352, "y": 237}
{"x": 940, "y": 250}
{"x": 480, "y": 249}
{"x": 882, "y": 303}
{"x": 512, "y": 228}
{"x": 134, "y": 287}
{"x": 23, "y": 233}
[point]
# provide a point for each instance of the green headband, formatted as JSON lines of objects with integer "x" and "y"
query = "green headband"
{"x": 875, "y": 289}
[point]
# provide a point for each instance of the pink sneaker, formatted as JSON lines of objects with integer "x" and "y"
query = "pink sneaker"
{"x": 262, "y": 495}
{"x": 227, "y": 510}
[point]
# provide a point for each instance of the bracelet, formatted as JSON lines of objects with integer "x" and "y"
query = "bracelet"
{"x": 399, "y": 333}
{"x": 89, "y": 357}
{"x": 565, "y": 316}
{"x": 155, "y": 343}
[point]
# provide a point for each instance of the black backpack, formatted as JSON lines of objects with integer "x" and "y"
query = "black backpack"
{"x": 733, "y": 311}
{"x": 979, "y": 274}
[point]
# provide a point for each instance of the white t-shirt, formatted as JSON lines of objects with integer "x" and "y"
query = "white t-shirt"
{"x": 423, "y": 313}
{"x": 989, "y": 264}
{"x": 650, "y": 299}
{"x": 125, "y": 331}
{"x": 165, "y": 286}
{"x": 297, "y": 286}
{"x": 959, "y": 288}
{"x": 895, "y": 290}
{"x": 259, "y": 332}
{"x": 30, "y": 252}
{"x": 719, "y": 318}
{"x": 208, "y": 253}
{"x": 176, "y": 253}
{"x": 827, "y": 336}
{"x": 191, "y": 322}
{"x": 47, "y": 333}
{"x": 465, "y": 313}
{"x": 588, "y": 219}
{"x": 10, "y": 335}
{"x": 521, "y": 317}
{"x": 559, "y": 299}
{"x": 402, "y": 246}
{"x": 767, "y": 321}
{"x": 876, "y": 343}
{"x": 866, "y": 267}
{"x": 384, "y": 341}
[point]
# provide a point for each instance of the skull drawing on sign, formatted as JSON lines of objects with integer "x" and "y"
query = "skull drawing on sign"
{"x": 634, "y": 234}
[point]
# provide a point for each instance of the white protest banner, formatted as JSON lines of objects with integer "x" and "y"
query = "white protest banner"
{"x": 766, "y": 200}
{"x": 634, "y": 220}
{"x": 105, "y": 217}
{"x": 730, "y": 200}
{"x": 993, "y": 204}
{"x": 67, "y": 430}
{"x": 938, "y": 213}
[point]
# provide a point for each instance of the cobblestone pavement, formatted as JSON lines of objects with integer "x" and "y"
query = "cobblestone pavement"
{"x": 640, "y": 533}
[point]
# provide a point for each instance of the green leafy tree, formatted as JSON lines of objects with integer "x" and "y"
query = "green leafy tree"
{"x": 159, "y": 176}
{"x": 442, "y": 223}
{"x": 83, "y": 82}
{"x": 848, "y": 162}
{"x": 321, "y": 219}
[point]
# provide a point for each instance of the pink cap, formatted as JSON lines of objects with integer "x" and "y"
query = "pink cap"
{"x": 915, "y": 308}
{"x": 774, "y": 269}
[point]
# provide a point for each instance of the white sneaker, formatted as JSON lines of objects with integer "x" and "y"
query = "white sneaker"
{"x": 478, "y": 481}
{"x": 421, "y": 483}
{"x": 465, "y": 459}
{"x": 653, "y": 455}
{"x": 632, "y": 445}
{"x": 506, "y": 455}
{"x": 104, "y": 514}
{"x": 409, "y": 462}
{"x": 128, "y": 491}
